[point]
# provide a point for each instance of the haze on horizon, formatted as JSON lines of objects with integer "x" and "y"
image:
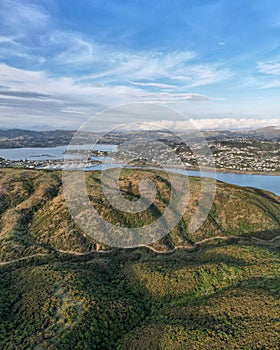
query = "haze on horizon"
{"x": 63, "y": 61}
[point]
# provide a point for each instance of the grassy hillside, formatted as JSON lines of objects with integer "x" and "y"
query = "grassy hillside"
{"x": 35, "y": 219}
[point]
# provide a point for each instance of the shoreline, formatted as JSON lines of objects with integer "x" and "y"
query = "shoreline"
{"x": 149, "y": 166}
{"x": 238, "y": 172}
{"x": 213, "y": 170}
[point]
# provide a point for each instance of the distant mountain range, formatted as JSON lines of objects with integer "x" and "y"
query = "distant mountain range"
{"x": 271, "y": 133}
{"x": 20, "y": 138}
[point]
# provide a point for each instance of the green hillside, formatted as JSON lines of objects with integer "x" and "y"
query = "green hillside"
{"x": 35, "y": 219}
{"x": 222, "y": 297}
{"x": 215, "y": 294}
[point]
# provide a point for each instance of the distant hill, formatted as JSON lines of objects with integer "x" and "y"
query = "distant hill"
{"x": 271, "y": 133}
{"x": 19, "y": 138}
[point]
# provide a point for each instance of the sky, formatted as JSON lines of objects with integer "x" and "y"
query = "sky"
{"x": 215, "y": 61}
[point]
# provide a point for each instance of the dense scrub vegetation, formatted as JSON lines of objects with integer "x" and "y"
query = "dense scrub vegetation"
{"x": 221, "y": 297}
{"x": 217, "y": 295}
{"x": 34, "y": 217}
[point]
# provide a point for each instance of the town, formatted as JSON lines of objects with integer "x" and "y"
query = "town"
{"x": 48, "y": 164}
{"x": 250, "y": 152}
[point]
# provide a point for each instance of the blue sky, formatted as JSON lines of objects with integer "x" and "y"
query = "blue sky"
{"x": 61, "y": 61}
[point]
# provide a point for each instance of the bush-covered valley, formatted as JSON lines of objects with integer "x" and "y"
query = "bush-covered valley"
{"x": 215, "y": 294}
{"x": 221, "y": 297}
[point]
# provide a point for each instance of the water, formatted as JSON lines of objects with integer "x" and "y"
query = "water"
{"x": 264, "y": 182}
{"x": 52, "y": 153}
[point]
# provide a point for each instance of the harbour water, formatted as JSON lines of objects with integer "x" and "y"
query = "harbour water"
{"x": 265, "y": 182}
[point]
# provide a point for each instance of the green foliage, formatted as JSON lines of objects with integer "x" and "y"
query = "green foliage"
{"x": 219, "y": 296}
{"x": 223, "y": 297}
{"x": 34, "y": 216}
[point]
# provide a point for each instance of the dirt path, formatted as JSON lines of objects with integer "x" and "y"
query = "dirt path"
{"x": 254, "y": 239}
{"x": 3, "y": 263}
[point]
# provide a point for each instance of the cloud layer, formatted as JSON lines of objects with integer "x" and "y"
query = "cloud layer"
{"x": 57, "y": 69}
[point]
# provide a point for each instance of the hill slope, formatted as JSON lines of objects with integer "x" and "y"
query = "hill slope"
{"x": 35, "y": 219}
{"x": 219, "y": 296}
{"x": 223, "y": 297}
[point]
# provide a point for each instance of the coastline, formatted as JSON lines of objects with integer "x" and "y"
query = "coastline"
{"x": 214, "y": 170}
{"x": 148, "y": 166}
{"x": 232, "y": 171}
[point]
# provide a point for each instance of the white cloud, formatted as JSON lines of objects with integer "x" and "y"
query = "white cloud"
{"x": 21, "y": 17}
{"x": 40, "y": 82}
{"x": 108, "y": 64}
{"x": 173, "y": 97}
{"x": 269, "y": 70}
{"x": 20, "y": 22}
{"x": 74, "y": 55}
{"x": 97, "y": 66}
{"x": 272, "y": 84}
{"x": 36, "y": 95}
{"x": 155, "y": 85}
{"x": 174, "y": 67}
{"x": 78, "y": 75}
{"x": 7, "y": 39}
{"x": 71, "y": 111}
{"x": 232, "y": 123}
{"x": 210, "y": 124}
{"x": 272, "y": 68}
{"x": 199, "y": 75}
{"x": 72, "y": 49}
{"x": 30, "y": 98}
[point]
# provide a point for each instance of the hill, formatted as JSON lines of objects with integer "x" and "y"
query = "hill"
{"x": 221, "y": 297}
{"x": 20, "y": 138}
{"x": 34, "y": 217}
{"x": 220, "y": 292}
